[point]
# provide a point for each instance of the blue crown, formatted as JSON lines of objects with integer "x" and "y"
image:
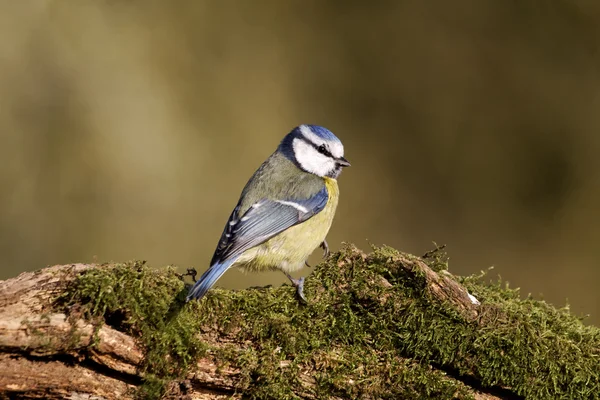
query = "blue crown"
{"x": 323, "y": 133}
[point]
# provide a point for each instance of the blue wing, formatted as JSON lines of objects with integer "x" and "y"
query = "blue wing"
{"x": 259, "y": 223}
{"x": 262, "y": 221}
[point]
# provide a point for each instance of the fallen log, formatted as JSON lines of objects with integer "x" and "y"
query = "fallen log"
{"x": 379, "y": 325}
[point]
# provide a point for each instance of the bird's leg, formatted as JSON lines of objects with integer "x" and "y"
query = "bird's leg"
{"x": 192, "y": 272}
{"x": 325, "y": 248}
{"x": 299, "y": 285}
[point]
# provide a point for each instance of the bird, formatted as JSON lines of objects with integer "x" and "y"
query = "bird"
{"x": 284, "y": 212}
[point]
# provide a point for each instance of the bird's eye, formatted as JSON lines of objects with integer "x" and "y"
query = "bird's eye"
{"x": 322, "y": 149}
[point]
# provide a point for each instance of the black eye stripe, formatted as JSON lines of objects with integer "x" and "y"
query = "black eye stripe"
{"x": 321, "y": 149}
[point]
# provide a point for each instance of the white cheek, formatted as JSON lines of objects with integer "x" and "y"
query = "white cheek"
{"x": 311, "y": 160}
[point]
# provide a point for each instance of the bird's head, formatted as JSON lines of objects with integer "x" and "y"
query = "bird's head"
{"x": 315, "y": 149}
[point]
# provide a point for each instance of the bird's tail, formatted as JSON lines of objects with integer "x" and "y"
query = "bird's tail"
{"x": 208, "y": 279}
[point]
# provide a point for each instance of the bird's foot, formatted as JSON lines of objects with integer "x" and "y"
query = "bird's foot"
{"x": 189, "y": 272}
{"x": 325, "y": 248}
{"x": 299, "y": 285}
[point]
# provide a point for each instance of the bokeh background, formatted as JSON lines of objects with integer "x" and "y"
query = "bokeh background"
{"x": 128, "y": 128}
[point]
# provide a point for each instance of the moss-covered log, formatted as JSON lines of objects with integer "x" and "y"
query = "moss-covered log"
{"x": 378, "y": 325}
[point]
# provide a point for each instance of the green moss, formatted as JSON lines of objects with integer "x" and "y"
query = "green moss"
{"x": 370, "y": 330}
{"x": 144, "y": 303}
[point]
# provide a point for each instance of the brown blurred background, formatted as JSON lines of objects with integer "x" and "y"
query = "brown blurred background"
{"x": 128, "y": 128}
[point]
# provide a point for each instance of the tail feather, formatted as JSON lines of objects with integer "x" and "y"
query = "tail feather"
{"x": 208, "y": 279}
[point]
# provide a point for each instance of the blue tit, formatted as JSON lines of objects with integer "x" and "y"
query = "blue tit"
{"x": 285, "y": 210}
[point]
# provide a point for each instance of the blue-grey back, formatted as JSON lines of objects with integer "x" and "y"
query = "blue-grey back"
{"x": 278, "y": 178}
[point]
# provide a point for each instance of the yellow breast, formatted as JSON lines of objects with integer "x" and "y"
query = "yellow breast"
{"x": 289, "y": 250}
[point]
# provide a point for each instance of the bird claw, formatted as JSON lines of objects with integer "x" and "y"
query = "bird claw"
{"x": 299, "y": 285}
{"x": 189, "y": 272}
{"x": 325, "y": 248}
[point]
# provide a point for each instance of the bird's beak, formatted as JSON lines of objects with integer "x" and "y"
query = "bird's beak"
{"x": 342, "y": 162}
